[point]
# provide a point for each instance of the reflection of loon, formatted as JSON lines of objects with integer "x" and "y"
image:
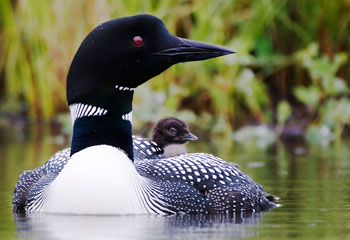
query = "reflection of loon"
{"x": 169, "y": 136}
{"x": 43, "y": 226}
{"x": 99, "y": 177}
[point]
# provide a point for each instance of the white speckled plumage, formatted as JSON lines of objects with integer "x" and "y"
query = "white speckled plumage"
{"x": 189, "y": 183}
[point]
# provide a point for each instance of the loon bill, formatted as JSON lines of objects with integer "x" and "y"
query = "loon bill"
{"x": 97, "y": 175}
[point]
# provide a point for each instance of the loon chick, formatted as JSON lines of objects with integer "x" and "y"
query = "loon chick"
{"x": 170, "y": 131}
{"x": 171, "y": 134}
{"x": 97, "y": 175}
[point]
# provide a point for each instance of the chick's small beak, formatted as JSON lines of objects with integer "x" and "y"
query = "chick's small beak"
{"x": 189, "y": 137}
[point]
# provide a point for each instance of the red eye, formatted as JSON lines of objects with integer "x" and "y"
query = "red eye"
{"x": 138, "y": 41}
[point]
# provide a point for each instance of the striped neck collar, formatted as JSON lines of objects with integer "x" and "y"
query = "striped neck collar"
{"x": 80, "y": 110}
{"x": 96, "y": 125}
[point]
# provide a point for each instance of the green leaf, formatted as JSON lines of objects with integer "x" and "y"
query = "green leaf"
{"x": 309, "y": 96}
{"x": 283, "y": 112}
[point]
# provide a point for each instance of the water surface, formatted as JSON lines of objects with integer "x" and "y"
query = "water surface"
{"x": 312, "y": 181}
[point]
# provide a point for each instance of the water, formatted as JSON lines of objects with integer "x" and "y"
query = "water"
{"x": 312, "y": 181}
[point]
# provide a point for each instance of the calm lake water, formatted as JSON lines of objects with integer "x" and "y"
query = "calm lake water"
{"x": 312, "y": 181}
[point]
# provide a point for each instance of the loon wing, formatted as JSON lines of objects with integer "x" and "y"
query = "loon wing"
{"x": 31, "y": 182}
{"x": 25, "y": 182}
{"x": 145, "y": 148}
{"x": 219, "y": 182}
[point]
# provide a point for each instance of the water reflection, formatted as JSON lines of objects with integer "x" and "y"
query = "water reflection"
{"x": 57, "y": 226}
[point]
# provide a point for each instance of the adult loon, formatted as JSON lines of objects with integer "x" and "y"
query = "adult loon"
{"x": 169, "y": 136}
{"x": 97, "y": 175}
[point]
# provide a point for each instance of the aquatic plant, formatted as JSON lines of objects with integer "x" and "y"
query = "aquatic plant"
{"x": 289, "y": 53}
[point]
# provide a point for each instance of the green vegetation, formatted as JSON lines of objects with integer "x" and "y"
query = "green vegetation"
{"x": 291, "y": 67}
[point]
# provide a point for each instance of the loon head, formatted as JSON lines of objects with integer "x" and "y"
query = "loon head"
{"x": 170, "y": 131}
{"x": 119, "y": 55}
{"x": 115, "y": 58}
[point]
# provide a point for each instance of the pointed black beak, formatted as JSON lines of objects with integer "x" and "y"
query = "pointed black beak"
{"x": 188, "y": 50}
{"x": 189, "y": 137}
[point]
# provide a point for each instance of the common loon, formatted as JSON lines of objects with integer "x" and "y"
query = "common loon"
{"x": 97, "y": 175}
{"x": 169, "y": 136}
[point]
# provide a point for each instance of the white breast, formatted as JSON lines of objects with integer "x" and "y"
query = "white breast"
{"x": 97, "y": 180}
{"x": 174, "y": 150}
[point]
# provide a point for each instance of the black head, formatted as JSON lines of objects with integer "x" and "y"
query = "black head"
{"x": 171, "y": 130}
{"x": 123, "y": 53}
{"x": 116, "y": 57}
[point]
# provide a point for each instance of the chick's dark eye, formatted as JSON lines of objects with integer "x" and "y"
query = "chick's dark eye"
{"x": 137, "y": 41}
{"x": 173, "y": 130}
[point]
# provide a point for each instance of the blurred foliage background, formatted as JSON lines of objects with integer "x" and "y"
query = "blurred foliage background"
{"x": 290, "y": 76}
